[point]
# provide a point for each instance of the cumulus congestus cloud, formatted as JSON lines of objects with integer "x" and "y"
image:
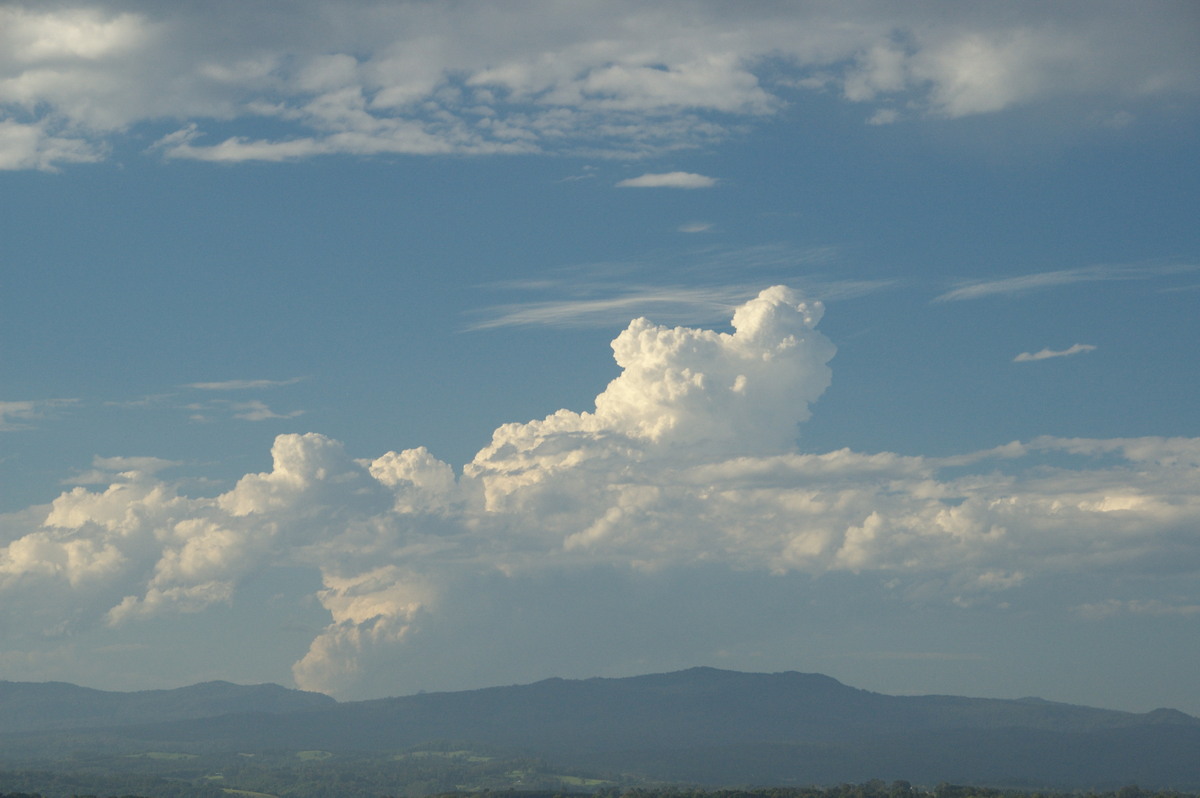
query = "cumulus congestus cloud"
{"x": 687, "y": 464}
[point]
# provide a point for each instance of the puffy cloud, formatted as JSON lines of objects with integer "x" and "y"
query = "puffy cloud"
{"x": 1044, "y": 354}
{"x": 369, "y": 610}
{"x": 617, "y": 78}
{"x": 686, "y": 471}
{"x": 669, "y": 180}
{"x": 420, "y": 481}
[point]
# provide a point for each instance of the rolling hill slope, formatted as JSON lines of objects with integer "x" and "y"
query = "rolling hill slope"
{"x": 710, "y": 727}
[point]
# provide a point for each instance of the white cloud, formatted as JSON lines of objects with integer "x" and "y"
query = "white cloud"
{"x": 255, "y": 410}
{"x": 370, "y": 610}
{"x": 685, "y": 471}
{"x": 249, "y": 410}
{"x": 695, "y": 227}
{"x": 77, "y": 33}
{"x": 668, "y": 180}
{"x": 1043, "y": 354}
{"x": 744, "y": 391}
{"x": 105, "y": 469}
{"x": 611, "y": 78}
{"x": 658, "y": 301}
{"x": 33, "y": 146}
{"x": 1033, "y": 282}
{"x": 686, "y": 286}
{"x": 1022, "y": 284}
{"x": 23, "y": 415}
{"x": 241, "y": 385}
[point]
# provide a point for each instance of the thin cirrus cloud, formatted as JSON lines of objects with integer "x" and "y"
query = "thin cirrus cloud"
{"x": 246, "y": 410}
{"x": 1154, "y": 607}
{"x": 672, "y": 304}
{"x": 255, "y": 410}
{"x": 687, "y": 285}
{"x": 1026, "y": 283}
{"x": 684, "y": 472}
{"x": 663, "y": 302}
{"x": 1046, "y": 354}
{"x": 616, "y": 79}
{"x": 669, "y": 180}
{"x": 241, "y": 385}
{"x": 250, "y": 410}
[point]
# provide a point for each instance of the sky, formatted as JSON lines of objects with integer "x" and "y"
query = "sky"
{"x": 377, "y": 347}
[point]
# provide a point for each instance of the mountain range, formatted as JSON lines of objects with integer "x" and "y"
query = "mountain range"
{"x": 699, "y": 726}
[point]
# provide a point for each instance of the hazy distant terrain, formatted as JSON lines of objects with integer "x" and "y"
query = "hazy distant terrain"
{"x": 699, "y": 726}
{"x": 42, "y": 706}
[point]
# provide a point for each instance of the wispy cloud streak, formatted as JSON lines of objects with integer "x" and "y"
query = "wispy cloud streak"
{"x": 241, "y": 385}
{"x": 663, "y": 302}
{"x": 1046, "y": 354}
{"x": 1026, "y": 283}
{"x": 687, "y": 286}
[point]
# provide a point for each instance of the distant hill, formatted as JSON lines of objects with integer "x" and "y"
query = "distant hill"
{"x": 714, "y": 727}
{"x": 48, "y": 706}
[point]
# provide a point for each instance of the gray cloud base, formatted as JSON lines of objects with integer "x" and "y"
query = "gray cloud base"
{"x": 604, "y": 78}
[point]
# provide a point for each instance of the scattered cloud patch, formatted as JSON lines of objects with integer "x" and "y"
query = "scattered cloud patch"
{"x": 241, "y": 385}
{"x": 255, "y": 410}
{"x": 38, "y": 146}
{"x": 694, "y": 227}
{"x": 245, "y": 410}
{"x": 1045, "y": 354}
{"x": 668, "y": 180}
{"x": 107, "y": 470}
{"x": 250, "y": 410}
{"x": 588, "y": 173}
{"x": 609, "y": 79}
{"x": 25, "y": 414}
{"x": 884, "y": 116}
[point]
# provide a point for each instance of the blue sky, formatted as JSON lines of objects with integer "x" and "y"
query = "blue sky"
{"x": 319, "y": 361}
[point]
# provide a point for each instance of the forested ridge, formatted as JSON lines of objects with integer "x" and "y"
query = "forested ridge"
{"x": 702, "y": 727}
